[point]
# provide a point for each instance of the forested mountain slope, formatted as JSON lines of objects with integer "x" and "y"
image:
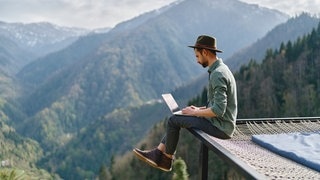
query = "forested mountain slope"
{"x": 17, "y": 153}
{"x": 286, "y": 83}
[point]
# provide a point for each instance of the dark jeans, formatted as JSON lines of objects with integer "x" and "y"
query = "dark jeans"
{"x": 176, "y": 122}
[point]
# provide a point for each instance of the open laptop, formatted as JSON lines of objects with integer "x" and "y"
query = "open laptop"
{"x": 172, "y": 104}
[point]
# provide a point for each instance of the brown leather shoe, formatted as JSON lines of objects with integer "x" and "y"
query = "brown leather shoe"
{"x": 155, "y": 158}
{"x": 165, "y": 164}
{"x": 152, "y": 157}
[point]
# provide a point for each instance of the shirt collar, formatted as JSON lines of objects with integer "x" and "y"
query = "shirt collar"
{"x": 214, "y": 65}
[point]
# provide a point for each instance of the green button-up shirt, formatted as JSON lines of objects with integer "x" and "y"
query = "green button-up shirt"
{"x": 222, "y": 97}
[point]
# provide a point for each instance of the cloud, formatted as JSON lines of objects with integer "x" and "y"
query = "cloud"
{"x": 107, "y": 13}
{"x": 82, "y": 13}
{"x": 290, "y": 7}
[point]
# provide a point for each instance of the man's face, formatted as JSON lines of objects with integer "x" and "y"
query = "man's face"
{"x": 201, "y": 59}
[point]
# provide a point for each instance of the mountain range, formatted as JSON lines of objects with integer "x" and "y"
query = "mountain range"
{"x": 97, "y": 94}
{"x": 294, "y": 28}
{"x": 22, "y": 43}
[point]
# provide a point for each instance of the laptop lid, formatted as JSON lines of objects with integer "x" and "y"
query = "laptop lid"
{"x": 171, "y": 102}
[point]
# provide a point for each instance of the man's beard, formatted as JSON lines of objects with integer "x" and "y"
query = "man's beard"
{"x": 204, "y": 64}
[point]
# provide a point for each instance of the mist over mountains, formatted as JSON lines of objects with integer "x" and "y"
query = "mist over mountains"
{"x": 25, "y": 42}
{"x": 290, "y": 31}
{"x": 75, "y": 89}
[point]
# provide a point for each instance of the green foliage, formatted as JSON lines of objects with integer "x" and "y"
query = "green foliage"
{"x": 96, "y": 144}
{"x": 200, "y": 100}
{"x": 11, "y": 175}
{"x": 104, "y": 173}
{"x": 286, "y": 84}
{"x": 18, "y": 154}
{"x": 52, "y": 127}
{"x": 22, "y": 174}
{"x": 180, "y": 170}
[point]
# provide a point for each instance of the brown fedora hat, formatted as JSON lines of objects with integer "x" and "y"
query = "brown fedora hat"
{"x": 206, "y": 42}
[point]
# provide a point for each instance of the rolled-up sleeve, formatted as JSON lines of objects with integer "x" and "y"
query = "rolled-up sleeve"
{"x": 219, "y": 104}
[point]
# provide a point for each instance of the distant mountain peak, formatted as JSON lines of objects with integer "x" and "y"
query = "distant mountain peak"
{"x": 38, "y": 34}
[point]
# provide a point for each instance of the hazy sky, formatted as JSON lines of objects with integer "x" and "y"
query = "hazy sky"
{"x": 107, "y": 13}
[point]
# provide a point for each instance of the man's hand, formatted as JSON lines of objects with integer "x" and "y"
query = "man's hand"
{"x": 198, "y": 111}
{"x": 190, "y": 110}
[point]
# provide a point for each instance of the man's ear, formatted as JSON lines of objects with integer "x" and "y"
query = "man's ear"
{"x": 205, "y": 52}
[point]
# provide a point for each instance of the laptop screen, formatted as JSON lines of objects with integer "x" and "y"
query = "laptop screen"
{"x": 172, "y": 104}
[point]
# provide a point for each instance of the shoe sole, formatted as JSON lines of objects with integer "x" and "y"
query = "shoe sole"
{"x": 166, "y": 170}
{"x": 150, "y": 162}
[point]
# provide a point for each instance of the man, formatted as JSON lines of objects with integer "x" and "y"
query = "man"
{"x": 217, "y": 119}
